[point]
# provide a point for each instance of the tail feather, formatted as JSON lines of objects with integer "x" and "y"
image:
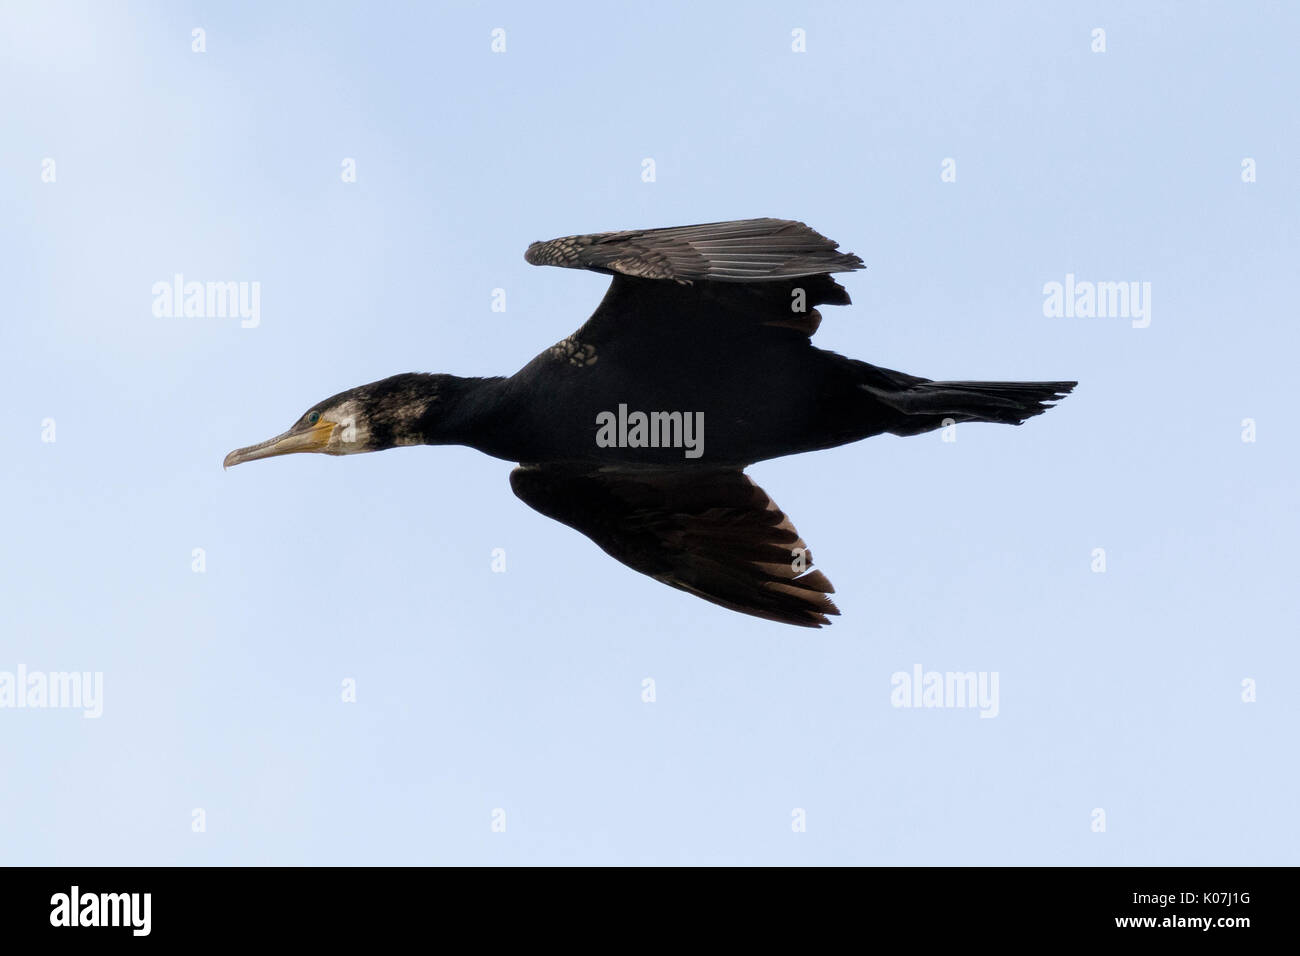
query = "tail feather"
{"x": 929, "y": 405}
{"x": 1009, "y": 402}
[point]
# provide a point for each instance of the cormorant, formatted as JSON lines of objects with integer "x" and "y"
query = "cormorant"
{"x": 636, "y": 429}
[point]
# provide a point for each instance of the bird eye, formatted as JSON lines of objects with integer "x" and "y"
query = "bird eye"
{"x": 313, "y": 418}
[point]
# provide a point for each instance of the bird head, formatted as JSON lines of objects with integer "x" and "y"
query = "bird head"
{"x": 383, "y": 414}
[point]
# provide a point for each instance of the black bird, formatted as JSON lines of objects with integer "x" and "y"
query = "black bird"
{"x": 636, "y": 429}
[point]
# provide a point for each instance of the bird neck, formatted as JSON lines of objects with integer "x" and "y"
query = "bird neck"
{"x": 469, "y": 412}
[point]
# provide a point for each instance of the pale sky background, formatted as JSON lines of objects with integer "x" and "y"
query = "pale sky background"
{"x": 476, "y": 690}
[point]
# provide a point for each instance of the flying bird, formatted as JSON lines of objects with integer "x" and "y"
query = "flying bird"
{"x": 636, "y": 429}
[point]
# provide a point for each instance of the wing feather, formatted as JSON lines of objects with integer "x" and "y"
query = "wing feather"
{"x": 711, "y": 532}
{"x": 744, "y": 250}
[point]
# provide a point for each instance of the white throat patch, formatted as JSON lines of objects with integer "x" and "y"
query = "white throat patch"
{"x": 351, "y": 434}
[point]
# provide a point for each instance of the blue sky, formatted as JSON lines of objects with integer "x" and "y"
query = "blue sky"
{"x": 1119, "y": 691}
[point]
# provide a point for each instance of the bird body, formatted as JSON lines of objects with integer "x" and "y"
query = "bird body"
{"x": 635, "y": 429}
{"x": 757, "y": 399}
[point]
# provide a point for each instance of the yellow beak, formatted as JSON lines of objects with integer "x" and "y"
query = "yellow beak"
{"x": 315, "y": 438}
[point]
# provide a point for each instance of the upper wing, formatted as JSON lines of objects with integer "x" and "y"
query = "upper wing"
{"x": 773, "y": 271}
{"x": 713, "y": 533}
{"x": 745, "y": 250}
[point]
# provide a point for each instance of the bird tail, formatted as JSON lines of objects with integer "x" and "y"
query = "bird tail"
{"x": 925, "y": 405}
